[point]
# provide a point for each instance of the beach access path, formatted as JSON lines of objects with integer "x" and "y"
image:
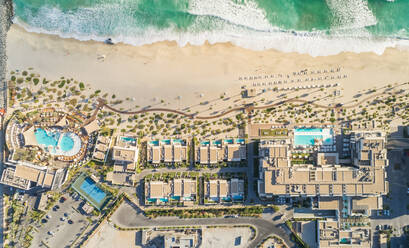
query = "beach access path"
{"x": 247, "y": 108}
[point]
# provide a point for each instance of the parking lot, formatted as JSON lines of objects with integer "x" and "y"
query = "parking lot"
{"x": 61, "y": 226}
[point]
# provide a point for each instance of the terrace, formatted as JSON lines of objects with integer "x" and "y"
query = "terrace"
{"x": 125, "y": 150}
{"x": 217, "y": 151}
{"x": 178, "y": 190}
{"x": 167, "y": 151}
{"x": 324, "y": 176}
{"x": 25, "y": 176}
{"x": 221, "y": 190}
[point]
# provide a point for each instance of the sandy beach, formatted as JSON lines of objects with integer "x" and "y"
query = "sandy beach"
{"x": 164, "y": 71}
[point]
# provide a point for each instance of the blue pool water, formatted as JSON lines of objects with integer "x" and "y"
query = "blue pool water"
{"x": 151, "y": 199}
{"x": 46, "y": 138}
{"x": 175, "y": 198}
{"x": 204, "y": 143}
{"x": 308, "y": 136}
{"x": 128, "y": 139}
{"x": 177, "y": 141}
{"x": 217, "y": 142}
{"x": 163, "y": 199}
{"x": 237, "y": 197}
{"x": 91, "y": 189}
{"x": 228, "y": 141}
{"x": 154, "y": 142}
{"x": 226, "y": 199}
{"x": 240, "y": 141}
{"x": 344, "y": 241}
{"x": 66, "y": 143}
{"x": 166, "y": 141}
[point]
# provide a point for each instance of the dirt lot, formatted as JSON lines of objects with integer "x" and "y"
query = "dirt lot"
{"x": 225, "y": 237}
{"x": 109, "y": 237}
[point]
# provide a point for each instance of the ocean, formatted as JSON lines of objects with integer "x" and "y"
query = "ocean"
{"x": 315, "y": 27}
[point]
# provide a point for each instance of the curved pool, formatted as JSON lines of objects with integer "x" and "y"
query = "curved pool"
{"x": 57, "y": 143}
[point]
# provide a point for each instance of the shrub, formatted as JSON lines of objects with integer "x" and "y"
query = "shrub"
{"x": 35, "y": 80}
{"x": 13, "y": 78}
{"x": 82, "y": 86}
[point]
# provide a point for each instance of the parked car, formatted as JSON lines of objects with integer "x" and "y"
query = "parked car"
{"x": 62, "y": 219}
{"x": 66, "y": 214}
{"x": 278, "y": 217}
{"x": 70, "y": 222}
{"x": 63, "y": 199}
{"x": 50, "y": 233}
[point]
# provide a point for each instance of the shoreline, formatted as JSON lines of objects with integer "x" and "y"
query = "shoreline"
{"x": 280, "y": 40}
{"x": 168, "y": 75}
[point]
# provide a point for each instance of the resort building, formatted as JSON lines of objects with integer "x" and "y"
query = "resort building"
{"x": 25, "y": 176}
{"x": 314, "y": 169}
{"x": 125, "y": 156}
{"x": 331, "y": 235}
{"x": 101, "y": 148}
{"x": 167, "y": 151}
{"x": 178, "y": 190}
{"x": 125, "y": 150}
{"x": 216, "y": 151}
{"x": 179, "y": 241}
{"x": 347, "y": 206}
{"x": 221, "y": 190}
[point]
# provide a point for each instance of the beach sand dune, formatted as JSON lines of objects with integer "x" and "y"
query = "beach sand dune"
{"x": 165, "y": 71}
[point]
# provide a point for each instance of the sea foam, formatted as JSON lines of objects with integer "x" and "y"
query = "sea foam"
{"x": 243, "y": 24}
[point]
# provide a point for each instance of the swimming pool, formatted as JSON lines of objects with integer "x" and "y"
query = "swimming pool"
{"x": 165, "y": 141}
{"x": 46, "y": 138}
{"x": 154, "y": 142}
{"x": 240, "y": 141}
{"x": 228, "y": 141}
{"x": 311, "y": 136}
{"x": 66, "y": 143}
{"x": 217, "y": 142}
{"x": 205, "y": 143}
{"x": 128, "y": 140}
{"x": 177, "y": 141}
{"x": 57, "y": 143}
{"x": 238, "y": 197}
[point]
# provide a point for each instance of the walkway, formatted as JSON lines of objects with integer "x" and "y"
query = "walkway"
{"x": 248, "y": 108}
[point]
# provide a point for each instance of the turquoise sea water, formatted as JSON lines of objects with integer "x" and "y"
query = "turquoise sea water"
{"x": 317, "y": 27}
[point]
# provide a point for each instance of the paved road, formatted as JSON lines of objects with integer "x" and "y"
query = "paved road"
{"x": 397, "y": 143}
{"x": 4, "y": 25}
{"x": 129, "y": 215}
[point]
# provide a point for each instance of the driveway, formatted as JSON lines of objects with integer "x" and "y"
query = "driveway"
{"x": 128, "y": 215}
